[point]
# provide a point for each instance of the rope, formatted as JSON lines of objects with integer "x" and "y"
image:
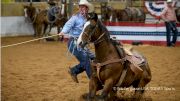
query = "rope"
{"x": 67, "y": 54}
{"x": 27, "y": 41}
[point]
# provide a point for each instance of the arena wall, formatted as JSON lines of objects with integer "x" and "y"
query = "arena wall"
{"x": 12, "y": 19}
{"x": 13, "y": 22}
{"x": 14, "y": 26}
{"x": 17, "y": 26}
{"x": 16, "y": 9}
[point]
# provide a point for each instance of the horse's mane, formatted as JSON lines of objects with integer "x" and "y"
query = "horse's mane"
{"x": 104, "y": 29}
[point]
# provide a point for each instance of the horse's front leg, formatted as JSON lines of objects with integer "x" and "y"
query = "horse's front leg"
{"x": 40, "y": 28}
{"x": 45, "y": 32}
{"x": 93, "y": 86}
{"x": 108, "y": 85}
{"x": 35, "y": 30}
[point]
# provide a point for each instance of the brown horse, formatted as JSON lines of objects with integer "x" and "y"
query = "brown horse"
{"x": 109, "y": 64}
{"x": 44, "y": 18}
{"x": 135, "y": 14}
{"x": 31, "y": 16}
{"x": 106, "y": 12}
{"x": 126, "y": 15}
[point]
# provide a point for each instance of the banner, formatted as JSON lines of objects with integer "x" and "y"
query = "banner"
{"x": 155, "y": 8}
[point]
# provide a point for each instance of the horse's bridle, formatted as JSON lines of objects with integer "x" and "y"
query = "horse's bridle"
{"x": 99, "y": 39}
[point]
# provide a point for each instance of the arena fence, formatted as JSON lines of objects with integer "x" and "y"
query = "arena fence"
{"x": 13, "y": 24}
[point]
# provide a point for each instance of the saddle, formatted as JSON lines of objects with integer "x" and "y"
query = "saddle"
{"x": 135, "y": 58}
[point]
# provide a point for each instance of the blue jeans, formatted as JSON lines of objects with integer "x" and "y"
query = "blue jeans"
{"x": 83, "y": 57}
{"x": 171, "y": 26}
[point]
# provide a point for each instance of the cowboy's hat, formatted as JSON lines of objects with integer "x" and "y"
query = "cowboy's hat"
{"x": 86, "y": 3}
{"x": 168, "y": 1}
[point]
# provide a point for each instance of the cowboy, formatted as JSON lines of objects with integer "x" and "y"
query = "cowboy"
{"x": 74, "y": 27}
{"x": 170, "y": 19}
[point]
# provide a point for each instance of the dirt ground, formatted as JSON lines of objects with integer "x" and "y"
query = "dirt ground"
{"x": 38, "y": 72}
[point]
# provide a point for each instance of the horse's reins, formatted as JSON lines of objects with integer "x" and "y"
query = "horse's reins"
{"x": 99, "y": 39}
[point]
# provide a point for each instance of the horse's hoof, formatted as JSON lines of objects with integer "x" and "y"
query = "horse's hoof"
{"x": 84, "y": 96}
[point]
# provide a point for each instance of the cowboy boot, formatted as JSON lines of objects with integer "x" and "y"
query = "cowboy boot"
{"x": 73, "y": 76}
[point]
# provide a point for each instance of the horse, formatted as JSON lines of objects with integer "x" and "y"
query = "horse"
{"x": 135, "y": 14}
{"x": 107, "y": 70}
{"x": 53, "y": 17}
{"x": 30, "y": 14}
{"x": 122, "y": 15}
{"x": 106, "y": 12}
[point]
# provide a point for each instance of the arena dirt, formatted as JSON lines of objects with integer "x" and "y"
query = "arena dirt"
{"x": 37, "y": 71}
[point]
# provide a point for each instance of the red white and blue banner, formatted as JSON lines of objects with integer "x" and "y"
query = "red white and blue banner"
{"x": 154, "y": 34}
{"x": 155, "y": 8}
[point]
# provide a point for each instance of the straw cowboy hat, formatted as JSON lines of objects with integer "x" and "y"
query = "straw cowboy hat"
{"x": 86, "y": 3}
{"x": 168, "y": 1}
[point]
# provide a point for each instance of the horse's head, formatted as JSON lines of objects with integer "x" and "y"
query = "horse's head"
{"x": 29, "y": 10}
{"x": 93, "y": 31}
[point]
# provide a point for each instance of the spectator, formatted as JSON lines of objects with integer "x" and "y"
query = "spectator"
{"x": 170, "y": 19}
